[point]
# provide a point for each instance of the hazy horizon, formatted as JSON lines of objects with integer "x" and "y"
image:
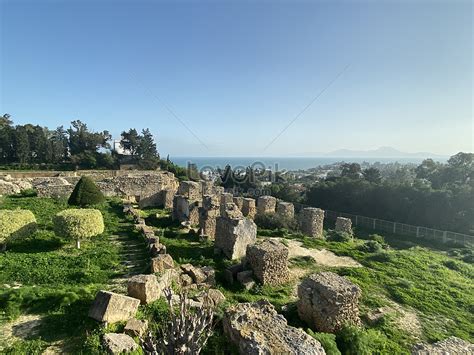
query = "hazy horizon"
{"x": 246, "y": 79}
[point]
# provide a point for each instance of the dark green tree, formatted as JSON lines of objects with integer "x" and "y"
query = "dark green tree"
{"x": 85, "y": 193}
{"x": 372, "y": 175}
{"x": 352, "y": 170}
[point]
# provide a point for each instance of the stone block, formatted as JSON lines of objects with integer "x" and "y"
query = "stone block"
{"x": 233, "y": 236}
{"x": 112, "y": 307}
{"x": 191, "y": 190}
{"x": 327, "y": 301}
{"x": 285, "y": 209}
{"x": 344, "y": 225}
{"x": 269, "y": 262}
{"x": 135, "y": 327}
{"x": 161, "y": 263}
{"x": 249, "y": 208}
{"x": 116, "y": 343}
{"x": 144, "y": 287}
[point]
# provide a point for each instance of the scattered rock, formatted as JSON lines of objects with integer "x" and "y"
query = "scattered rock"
{"x": 451, "y": 345}
{"x": 135, "y": 327}
{"x": 161, "y": 263}
{"x": 256, "y": 328}
{"x": 116, "y": 343}
{"x": 112, "y": 307}
{"x": 144, "y": 287}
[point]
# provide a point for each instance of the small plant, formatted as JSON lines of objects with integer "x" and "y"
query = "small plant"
{"x": 274, "y": 221}
{"x": 371, "y": 246}
{"x": 328, "y": 341}
{"x": 15, "y": 223}
{"x": 78, "y": 224}
{"x": 85, "y": 193}
{"x": 377, "y": 238}
{"x": 186, "y": 332}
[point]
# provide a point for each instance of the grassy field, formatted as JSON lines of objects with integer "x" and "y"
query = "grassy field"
{"x": 45, "y": 275}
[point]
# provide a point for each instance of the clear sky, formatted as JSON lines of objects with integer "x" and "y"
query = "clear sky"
{"x": 226, "y": 78}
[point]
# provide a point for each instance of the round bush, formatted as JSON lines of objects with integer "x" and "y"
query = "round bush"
{"x": 78, "y": 224}
{"x": 85, "y": 193}
{"x": 16, "y": 223}
{"x": 371, "y": 246}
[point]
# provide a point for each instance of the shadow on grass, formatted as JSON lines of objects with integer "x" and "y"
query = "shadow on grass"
{"x": 40, "y": 242}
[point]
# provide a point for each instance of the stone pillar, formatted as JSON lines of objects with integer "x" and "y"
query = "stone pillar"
{"x": 285, "y": 209}
{"x": 266, "y": 204}
{"x": 248, "y": 208}
{"x": 191, "y": 190}
{"x": 208, "y": 215}
{"x": 269, "y": 262}
{"x": 311, "y": 221}
{"x": 167, "y": 197}
{"x": 225, "y": 199}
{"x": 344, "y": 225}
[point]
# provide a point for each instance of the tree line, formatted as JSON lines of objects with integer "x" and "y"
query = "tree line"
{"x": 33, "y": 146}
{"x": 441, "y": 196}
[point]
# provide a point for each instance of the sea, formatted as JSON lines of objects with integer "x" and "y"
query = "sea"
{"x": 279, "y": 163}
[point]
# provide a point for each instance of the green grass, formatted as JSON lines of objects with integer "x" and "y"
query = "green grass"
{"x": 57, "y": 280}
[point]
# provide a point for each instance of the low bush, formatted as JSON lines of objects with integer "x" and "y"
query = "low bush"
{"x": 275, "y": 221}
{"x": 354, "y": 340}
{"x": 371, "y": 246}
{"x": 328, "y": 341}
{"x": 377, "y": 238}
{"x": 78, "y": 224}
{"x": 343, "y": 237}
{"x": 16, "y": 223}
{"x": 85, "y": 193}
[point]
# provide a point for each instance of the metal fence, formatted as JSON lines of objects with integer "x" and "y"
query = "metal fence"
{"x": 404, "y": 229}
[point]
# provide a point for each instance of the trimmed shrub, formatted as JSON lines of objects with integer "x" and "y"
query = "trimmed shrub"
{"x": 371, "y": 246}
{"x": 78, "y": 224}
{"x": 16, "y": 223}
{"x": 85, "y": 193}
{"x": 342, "y": 237}
{"x": 377, "y": 238}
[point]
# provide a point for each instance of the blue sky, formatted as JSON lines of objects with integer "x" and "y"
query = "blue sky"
{"x": 395, "y": 73}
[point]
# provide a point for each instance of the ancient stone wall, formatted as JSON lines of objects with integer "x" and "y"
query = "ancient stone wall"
{"x": 327, "y": 301}
{"x": 311, "y": 221}
{"x": 249, "y": 208}
{"x": 233, "y": 235}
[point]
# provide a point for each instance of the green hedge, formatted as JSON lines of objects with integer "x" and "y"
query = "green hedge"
{"x": 16, "y": 223}
{"x": 85, "y": 193}
{"x": 78, "y": 223}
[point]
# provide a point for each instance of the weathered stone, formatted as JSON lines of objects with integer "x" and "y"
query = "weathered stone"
{"x": 186, "y": 280}
{"x": 231, "y": 272}
{"x": 116, "y": 343}
{"x": 269, "y": 262}
{"x": 226, "y": 198}
{"x": 135, "y": 327}
{"x": 311, "y": 221}
{"x": 210, "y": 275}
{"x": 256, "y": 328}
{"x": 266, "y": 204}
{"x": 207, "y": 215}
{"x": 180, "y": 208}
{"x": 285, "y": 209}
{"x": 144, "y": 287}
{"x": 167, "y": 197}
{"x": 244, "y": 275}
{"x": 194, "y": 213}
{"x": 344, "y": 225}
{"x": 327, "y": 301}
{"x": 112, "y": 307}
{"x": 161, "y": 263}
{"x": 248, "y": 208}
{"x": 230, "y": 210}
{"x": 157, "y": 249}
{"x": 211, "y": 297}
{"x": 451, "y": 345}
{"x": 233, "y": 236}
{"x": 191, "y": 190}
{"x": 239, "y": 201}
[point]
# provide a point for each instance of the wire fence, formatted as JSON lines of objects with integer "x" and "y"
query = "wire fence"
{"x": 404, "y": 229}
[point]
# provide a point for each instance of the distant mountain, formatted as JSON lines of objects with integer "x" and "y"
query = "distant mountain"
{"x": 382, "y": 152}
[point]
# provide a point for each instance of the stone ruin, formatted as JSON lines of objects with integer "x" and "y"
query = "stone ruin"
{"x": 344, "y": 225}
{"x": 257, "y": 328}
{"x": 118, "y": 343}
{"x": 269, "y": 262}
{"x": 112, "y": 307}
{"x": 266, "y": 204}
{"x": 234, "y": 232}
{"x": 311, "y": 221}
{"x": 249, "y": 208}
{"x": 208, "y": 214}
{"x": 185, "y": 210}
{"x": 451, "y": 345}
{"x": 285, "y": 209}
{"x": 239, "y": 201}
{"x": 225, "y": 198}
{"x": 143, "y": 187}
{"x": 327, "y": 301}
{"x": 191, "y": 190}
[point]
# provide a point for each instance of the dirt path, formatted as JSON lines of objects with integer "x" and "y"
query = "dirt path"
{"x": 322, "y": 257}
{"x": 25, "y": 326}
